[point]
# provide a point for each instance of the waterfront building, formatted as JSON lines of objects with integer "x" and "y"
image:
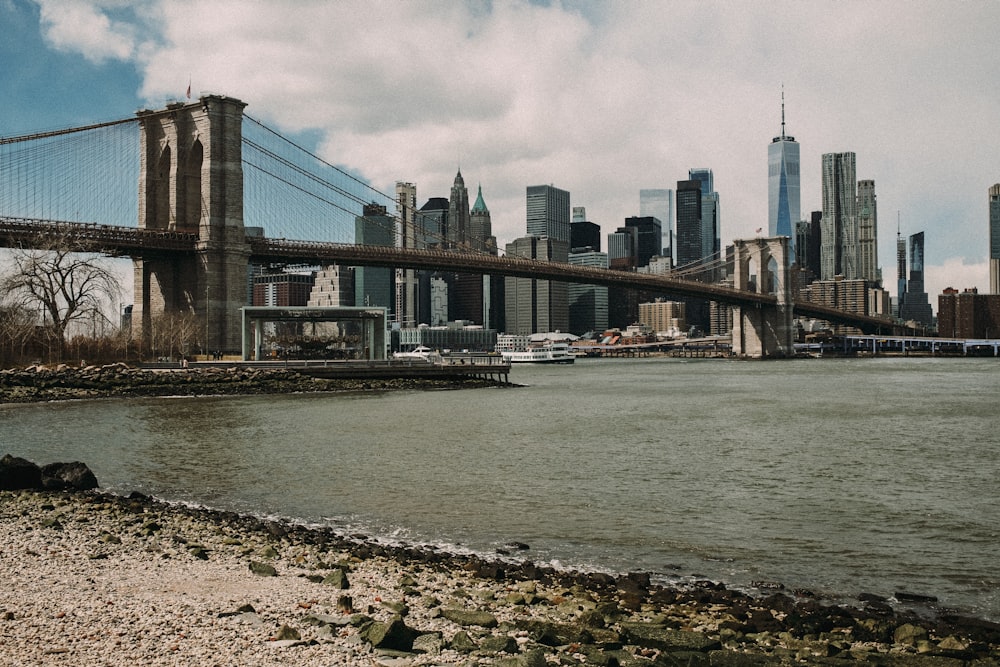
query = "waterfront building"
{"x": 968, "y": 314}
{"x": 995, "y": 239}
{"x": 648, "y": 238}
{"x": 783, "y": 208}
{"x": 588, "y": 304}
{"x": 534, "y": 305}
{"x": 282, "y": 289}
{"x": 453, "y": 335}
{"x": 839, "y": 292}
{"x": 663, "y": 317}
{"x": 914, "y": 306}
{"x": 548, "y": 212}
{"x": 868, "y": 233}
{"x": 659, "y": 203}
{"x": 373, "y": 285}
{"x": 838, "y": 226}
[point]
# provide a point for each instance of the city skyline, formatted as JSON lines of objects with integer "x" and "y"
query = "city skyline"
{"x": 603, "y": 109}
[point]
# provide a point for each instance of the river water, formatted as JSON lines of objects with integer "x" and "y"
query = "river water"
{"x": 838, "y": 476}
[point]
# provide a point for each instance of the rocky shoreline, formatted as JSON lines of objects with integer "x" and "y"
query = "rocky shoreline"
{"x": 40, "y": 383}
{"x": 95, "y": 578}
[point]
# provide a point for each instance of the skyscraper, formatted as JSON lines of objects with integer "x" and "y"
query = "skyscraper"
{"x": 548, "y": 212}
{"x": 838, "y": 227}
{"x": 537, "y": 306}
{"x": 783, "y": 210}
{"x": 458, "y": 213}
{"x": 373, "y": 285}
{"x": 914, "y": 305}
{"x": 406, "y": 237}
{"x": 588, "y": 304}
{"x": 868, "y": 233}
{"x": 481, "y": 226}
{"x": 689, "y": 239}
{"x": 995, "y": 239}
{"x": 710, "y": 238}
{"x": 649, "y": 238}
{"x": 900, "y": 271}
{"x": 659, "y": 203}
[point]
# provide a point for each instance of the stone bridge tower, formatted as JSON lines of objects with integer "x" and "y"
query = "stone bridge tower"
{"x": 765, "y": 331}
{"x": 191, "y": 181}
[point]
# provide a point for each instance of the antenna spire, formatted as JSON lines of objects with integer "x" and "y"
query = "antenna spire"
{"x": 782, "y": 110}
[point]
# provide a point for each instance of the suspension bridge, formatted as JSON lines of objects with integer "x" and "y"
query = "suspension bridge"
{"x": 219, "y": 191}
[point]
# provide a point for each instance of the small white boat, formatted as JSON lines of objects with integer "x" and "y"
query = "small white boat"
{"x": 549, "y": 353}
{"x": 419, "y": 353}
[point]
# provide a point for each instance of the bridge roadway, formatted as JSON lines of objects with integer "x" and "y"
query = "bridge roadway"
{"x": 133, "y": 242}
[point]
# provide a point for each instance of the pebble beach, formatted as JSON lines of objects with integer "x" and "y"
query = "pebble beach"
{"x": 90, "y": 578}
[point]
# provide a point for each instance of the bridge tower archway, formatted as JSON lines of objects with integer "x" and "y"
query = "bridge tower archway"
{"x": 763, "y": 331}
{"x": 191, "y": 181}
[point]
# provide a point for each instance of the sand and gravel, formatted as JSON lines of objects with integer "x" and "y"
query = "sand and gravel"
{"x": 88, "y": 578}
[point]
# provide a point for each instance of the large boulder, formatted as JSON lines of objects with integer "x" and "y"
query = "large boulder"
{"x": 17, "y": 473}
{"x": 74, "y": 476}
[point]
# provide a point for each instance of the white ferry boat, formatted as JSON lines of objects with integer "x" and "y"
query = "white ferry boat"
{"x": 419, "y": 353}
{"x": 549, "y": 353}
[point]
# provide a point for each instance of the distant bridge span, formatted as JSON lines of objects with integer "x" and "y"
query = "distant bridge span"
{"x": 132, "y": 242}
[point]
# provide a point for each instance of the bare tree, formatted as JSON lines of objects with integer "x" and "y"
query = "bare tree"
{"x": 57, "y": 278}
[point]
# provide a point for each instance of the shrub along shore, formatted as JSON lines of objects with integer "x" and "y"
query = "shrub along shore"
{"x": 95, "y": 578}
{"x": 39, "y": 383}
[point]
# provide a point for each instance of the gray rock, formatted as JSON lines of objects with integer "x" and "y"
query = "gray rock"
{"x": 493, "y": 645}
{"x": 392, "y": 635}
{"x": 466, "y": 617}
{"x": 909, "y": 634}
{"x": 286, "y": 633}
{"x": 263, "y": 569}
{"x": 17, "y": 473}
{"x": 338, "y": 579}
{"x": 656, "y": 636}
{"x": 462, "y": 642}
{"x": 534, "y": 658}
{"x": 75, "y": 476}
{"x": 430, "y": 643}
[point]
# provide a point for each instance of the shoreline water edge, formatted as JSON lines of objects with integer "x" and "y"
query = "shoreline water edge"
{"x": 92, "y": 577}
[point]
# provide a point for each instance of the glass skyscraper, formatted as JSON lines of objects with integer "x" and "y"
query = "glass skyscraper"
{"x": 838, "y": 227}
{"x": 783, "y": 208}
{"x": 548, "y": 212}
{"x": 659, "y": 203}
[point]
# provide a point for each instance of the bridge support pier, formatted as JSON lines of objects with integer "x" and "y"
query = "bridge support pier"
{"x": 191, "y": 181}
{"x": 761, "y": 332}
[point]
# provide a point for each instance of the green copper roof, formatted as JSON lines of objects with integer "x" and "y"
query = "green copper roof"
{"x": 480, "y": 205}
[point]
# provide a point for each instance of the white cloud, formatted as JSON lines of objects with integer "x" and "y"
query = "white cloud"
{"x": 86, "y": 27}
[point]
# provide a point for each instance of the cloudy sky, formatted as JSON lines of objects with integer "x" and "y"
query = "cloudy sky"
{"x": 598, "y": 98}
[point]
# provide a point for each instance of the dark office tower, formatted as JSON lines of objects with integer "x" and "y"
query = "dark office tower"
{"x": 432, "y": 222}
{"x": 659, "y": 203}
{"x": 838, "y": 250}
{"x": 481, "y": 226}
{"x": 710, "y": 238}
{"x": 915, "y": 305}
{"x": 373, "y": 285}
{"x": 583, "y": 235}
{"x": 537, "y": 306}
{"x": 995, "y": 239}
{"x": 688, "y": 210}
{"x": 868, "y": 234}
{"x": 548, "y": 212}
{"x": 807, "y": 245}
{"x": 458, "y": 213}
{"x": 649, "y": 238}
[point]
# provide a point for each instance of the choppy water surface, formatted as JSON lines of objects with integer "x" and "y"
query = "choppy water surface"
{"x": 841, "y": 476}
